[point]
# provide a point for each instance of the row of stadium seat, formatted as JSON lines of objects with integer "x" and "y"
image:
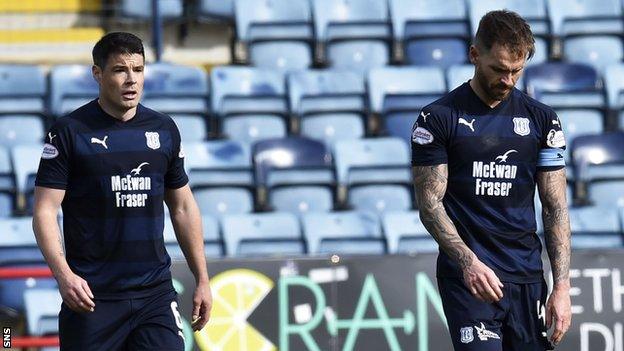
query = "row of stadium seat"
{"x": 358, "y": 34}
{"x": 301, "y": 175}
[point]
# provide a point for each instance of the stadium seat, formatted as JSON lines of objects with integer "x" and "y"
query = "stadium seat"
{"x": 457, "y": 75}
{"x": 565, "y": 85}
{"x": 571, "y": 17}
{"x": 381, "y": 199}
{"x": 406, "y": 234}
{"x": 7, "y": 201}
{"x": 343, "y": 233}
{"x": 255, "y": 100}
{"x": 356, "y": 34}
{"x": 330, "y": 104}
{"x": 372, "y": 161}
{"x": 7, "y": 180}
{"x": 192, "y": 127}
{"x": 588, "y": 232}
{"x": 577, "y": 122}
{"x": 21, "y": 129}
{"x": 212, "y": 240}
{"x": 220, "y": 201}
{"x": 216, "y": 9}
{"x": 22, "y": 89}
{"x": 42, "y": 309}
{"x": 598, "y": 157}
{"x": 614, "y": 85}
{"x": 71, "y": 86}
{"x": 12, "y": 290}
{"x": 218, "y": 163}
{"x": 398, "y": 93}
{"x": 607, "y": 193}
{"x": 432, "y": 32}
{"x": 25, "y": 165}
{"x": 278, "y": 33}
{"x": 141, "y": 9}
{"x": 264, "y": 234}
{"x": 301, "y": 199}
{"x": 18, "y": 244}
{"x": 534, "y": 11}
{"x": 597, "y": 51}
{"x": 171, "y": 88}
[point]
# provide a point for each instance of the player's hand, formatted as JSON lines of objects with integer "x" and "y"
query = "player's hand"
{"x": 202, "y": 303}
{"x": 482, "y": 282}
{"x": 558, "y": 313}
{"x": 76, "y": 293}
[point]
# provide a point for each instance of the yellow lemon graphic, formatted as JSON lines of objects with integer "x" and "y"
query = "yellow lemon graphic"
{"x": 236, "y": 294}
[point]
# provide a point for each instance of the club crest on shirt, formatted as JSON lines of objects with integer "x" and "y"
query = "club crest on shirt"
{"x": 153, "y": 140}
{"x": 521, "y": 126}
{"x": 466, "y": 335}
{"x": 421, "y": 136}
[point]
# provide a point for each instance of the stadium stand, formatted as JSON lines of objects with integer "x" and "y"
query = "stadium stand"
{"x": 406, "y": 233}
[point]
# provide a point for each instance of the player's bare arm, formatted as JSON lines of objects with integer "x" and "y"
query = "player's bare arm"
{"x": 74, "y": 290}
{"x": 430, "y": 185}
{"x": 186, "y": 220}
{"x": 552, "y": 192}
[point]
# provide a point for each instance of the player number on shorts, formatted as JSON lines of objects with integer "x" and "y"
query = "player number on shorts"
{"x": 176, "y": 314}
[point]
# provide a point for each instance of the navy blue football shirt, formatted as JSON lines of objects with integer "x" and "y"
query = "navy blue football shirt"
{"x": 114, "y": 175}
{"x": 493, "y": 155}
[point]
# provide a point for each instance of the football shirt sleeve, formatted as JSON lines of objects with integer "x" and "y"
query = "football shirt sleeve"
{"x": 176, "y": 175}
{"x": 54, "y": 164}
{"x": 552, "y": 144}
{"x": 429, "y": 139}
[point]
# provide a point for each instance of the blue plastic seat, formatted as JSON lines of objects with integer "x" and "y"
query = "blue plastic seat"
{"x": 18, "y": 244}
{"x": 7, "y": 201}
{"x": 571, "y": 17}
{"x": 614, "y": 85}
{"x": 21, "y": 129}
{"x": 457, "y": 75}
{"x": 383, "y": 198}
{"x": 534, "y": 11}
{"x": 12, "y": 290}
{"x": 250, "y": 129}
{"x": 211, "y": 10}
{"x": 142, "y": 9}
{"x": 264, "y": 234}
{"x": 278, "y": 33}
{"x": 22, "y": 89}
{"x": 42, "y": 309}
{"x": 356, "y": 34}
{"x": 432, "y": 32}
{"x": 607, "y": 193}
{"x": 565, "y": 85}
{"x": 595, "y": 227}
{"x": 301, "y": 199}
{"x": 7, "y": 180}
{"x": 213, "y": 246}
{"x": 400, "y": 92}
{"x": 71, "y": 86}
{"x": 577, "y": 122}
{"x": 406, "y": 234}
{"x": 598, "y": 157}
{"x": 220, "y": 201}
{"x": 218, "y": 163}
{"x": 172, "y": 88}
{"x": 192, "y": 127}
{"x": 330, "y": 104}
{"x": 597, "y": 51}
{"x": 25, "y": 165}
{"x": 372, "y": 161}
{"x": 343, "y": 233}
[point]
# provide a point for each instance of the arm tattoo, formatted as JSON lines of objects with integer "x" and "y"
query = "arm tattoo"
{"x": 430, "y": 185}
{"x": 552, "y": 188}
{"x": 61, "y": 252}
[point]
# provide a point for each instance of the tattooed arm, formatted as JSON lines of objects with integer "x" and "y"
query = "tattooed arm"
{"x": 552, "y": 192}
{"x": 430, "y": 185}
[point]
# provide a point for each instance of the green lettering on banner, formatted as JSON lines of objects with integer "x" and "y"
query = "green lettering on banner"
{"x": 425, "y": 290}
{"x": 303, "y": 330}
{"x": 370, "y": 292}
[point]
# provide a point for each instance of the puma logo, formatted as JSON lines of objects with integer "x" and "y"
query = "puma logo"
{"x": 424, "y": 116}
{"x": 101, "y": 142}
{"x": 137, "y": 171}
{"x": 50, "y": 136}
{"x": 469, "y": 125}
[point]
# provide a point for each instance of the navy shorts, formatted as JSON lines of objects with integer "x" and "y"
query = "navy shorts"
{"x": 515, "y": 323}
{"x": 149, "y": 323}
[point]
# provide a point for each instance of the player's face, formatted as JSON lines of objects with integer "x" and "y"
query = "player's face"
{"x": 121, "y": 81}
{"x": 496, "y": 70}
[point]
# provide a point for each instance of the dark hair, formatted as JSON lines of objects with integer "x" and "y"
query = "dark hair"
{"x": 508, "y": 29}
{"x": 116, "y": 43}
